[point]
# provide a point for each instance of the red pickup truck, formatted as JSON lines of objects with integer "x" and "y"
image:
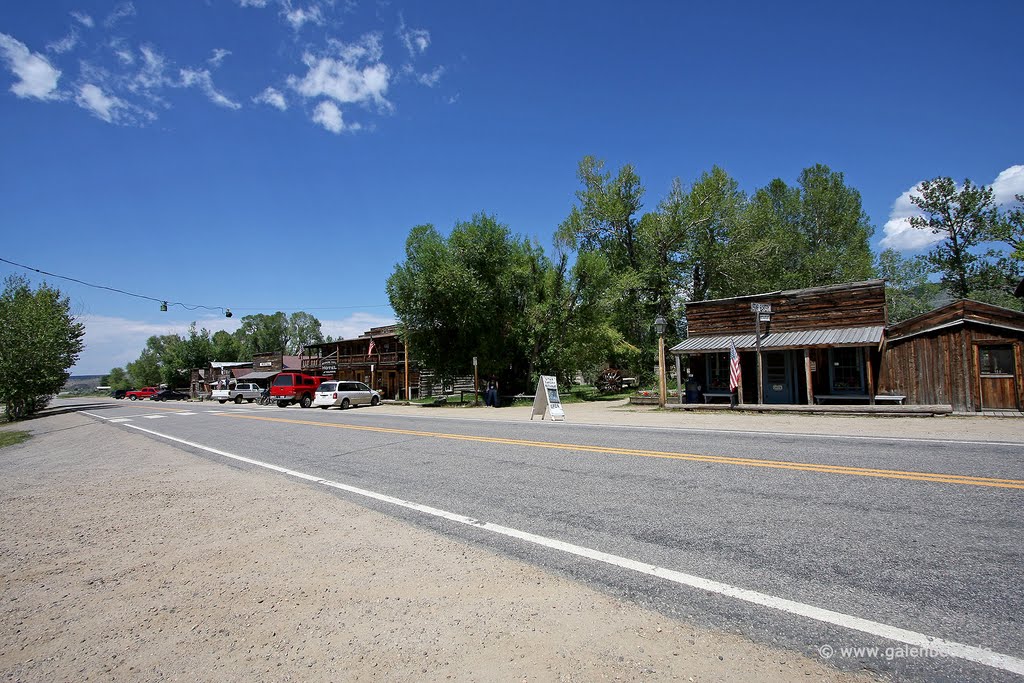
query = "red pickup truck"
{"x": 141, "y": 394}
{"x": 294, "y": 387}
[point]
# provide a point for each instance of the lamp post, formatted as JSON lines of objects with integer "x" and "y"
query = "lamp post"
{"x": 660, "y": 325}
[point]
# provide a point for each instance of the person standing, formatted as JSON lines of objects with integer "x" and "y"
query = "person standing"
{"x": 491, "y": 394}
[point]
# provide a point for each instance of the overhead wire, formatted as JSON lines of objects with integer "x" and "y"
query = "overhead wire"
{"x": 168, "y": 302}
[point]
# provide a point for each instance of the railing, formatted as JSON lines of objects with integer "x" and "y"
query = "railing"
{"x": 315, "y": 362}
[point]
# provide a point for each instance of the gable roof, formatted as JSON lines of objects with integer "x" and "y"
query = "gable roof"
{"x": 959, "y": 312}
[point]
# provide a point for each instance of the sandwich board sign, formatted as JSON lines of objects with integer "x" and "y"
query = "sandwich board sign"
{"x": 547, "y": 399}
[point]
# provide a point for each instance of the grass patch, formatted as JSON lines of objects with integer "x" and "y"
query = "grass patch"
{"x": 10, "y": 437}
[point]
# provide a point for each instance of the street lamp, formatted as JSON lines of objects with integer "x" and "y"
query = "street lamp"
{"x": 660, "y": 325}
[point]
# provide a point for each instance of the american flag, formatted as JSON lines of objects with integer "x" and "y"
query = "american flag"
{"x": 369, "y": 353}
{"x": 734, "y": 366}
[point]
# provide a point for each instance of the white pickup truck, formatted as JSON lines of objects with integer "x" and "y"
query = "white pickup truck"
{"x": 243, "y": 391}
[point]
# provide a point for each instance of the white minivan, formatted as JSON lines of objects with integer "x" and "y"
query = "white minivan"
{"x": 344, "y": 394}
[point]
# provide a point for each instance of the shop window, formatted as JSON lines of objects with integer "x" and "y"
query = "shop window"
{"x": 718, "y": 372}
{"x": 847, "y": 371}
{"x": 996, "y": 360}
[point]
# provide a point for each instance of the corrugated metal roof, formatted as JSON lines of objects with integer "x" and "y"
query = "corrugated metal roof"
{"x": 836, "y": 336}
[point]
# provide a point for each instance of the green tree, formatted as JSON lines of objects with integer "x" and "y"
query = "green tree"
{"x": 117, "y": 379}
{"x": 834, "y": 230}
{"x": 964, "y": 218}
{"x": 766, "y": 252}
{"x": 225, "y": 347}
{"x": 39, "y": 343}
{"x": 711, "y": 215}
{"x": 261, "y": 333}
{"x": 465, "y": 296}
{"x": 144, "y": 371}
{"x": 1010, "y": 228}
{"x": 908, "y": 291}
{"x": 607, "y": 219}
{"x": 303, "y": 330}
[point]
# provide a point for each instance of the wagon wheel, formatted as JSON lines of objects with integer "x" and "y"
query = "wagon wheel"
{"x": 610, "y": 381}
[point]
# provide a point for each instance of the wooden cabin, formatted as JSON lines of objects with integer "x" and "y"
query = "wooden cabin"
{"x": 382, "y": 367}
{"x": 818, "y": 345}
{"x": 967, "y": 354}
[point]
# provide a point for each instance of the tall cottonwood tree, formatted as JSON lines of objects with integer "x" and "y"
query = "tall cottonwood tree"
{"x": 40, "y": 340}
{"x": 964, "y": 218}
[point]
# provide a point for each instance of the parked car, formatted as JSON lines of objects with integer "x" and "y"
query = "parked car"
{"x": 118, "y": 393}
{"x": 143, "y": 393}
{"x": 169, "y": 395}
{"x": 243, "y": 391}
{"x": 344, "y": 394}
{"x": 294, "y": 387}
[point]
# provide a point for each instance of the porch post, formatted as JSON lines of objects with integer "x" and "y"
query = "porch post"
{"x": 871, "y": 376}
{"x": 809, "y": 376}
{"x": 679, "y": 379}
{"x": 407, "y": 396}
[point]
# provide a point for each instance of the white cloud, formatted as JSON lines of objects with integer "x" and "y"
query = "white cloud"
{"x": 416, "y": 40}
{"x": 151, "y": 75}
{"x": 353, "y": 75}
{"x": 65, "y": 44}
{"x": 93, "y": 98}
{"x": 299, "y": 17}
{"x": 122, "y": 11}
{"x": 112, "y": 342}
{"x": 899, "y": 233}
{"x": 431, "y": 78}
{"x": 1008, "y": 183}
{"x": 218, "y": 56}
{"x": 273, "y": 97}
{"x": 252, "y": 3}
{"x": 354, "y": 325}
{"x": 203, "y": 81}
{"x": 328, "y": 115}
{"x": 84, "y": 19}
{"x": 37, "y": 77}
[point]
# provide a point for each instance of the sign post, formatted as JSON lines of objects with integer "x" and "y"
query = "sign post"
{"x": 476, "y": 384}
{"x": 762, "y": 313}
{"x": 547, "y": 399}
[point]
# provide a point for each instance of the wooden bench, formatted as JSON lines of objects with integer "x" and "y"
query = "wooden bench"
{"x": 887, "y": 398}
{"x": 708, "y": 395}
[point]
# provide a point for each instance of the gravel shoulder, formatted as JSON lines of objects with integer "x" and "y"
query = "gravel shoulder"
{"x": 123, "y": 558}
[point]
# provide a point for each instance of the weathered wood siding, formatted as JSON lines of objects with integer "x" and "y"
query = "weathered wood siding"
{"x": 859, "y": 304}
{"x": 934, "y": 358}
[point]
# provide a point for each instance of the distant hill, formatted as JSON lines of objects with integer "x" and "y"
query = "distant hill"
{"x": 82, "y": 384}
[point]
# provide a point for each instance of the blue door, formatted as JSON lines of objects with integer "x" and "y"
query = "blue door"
{"x": 777, "y": 367}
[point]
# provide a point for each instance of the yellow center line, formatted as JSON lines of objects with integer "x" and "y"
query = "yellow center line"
{"x": 714, "y": 459}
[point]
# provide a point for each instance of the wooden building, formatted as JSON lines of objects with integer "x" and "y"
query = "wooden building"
{"x": 967, "y": 354}
{"x": 382, "y": 366}
{"x": 820, "y": 344}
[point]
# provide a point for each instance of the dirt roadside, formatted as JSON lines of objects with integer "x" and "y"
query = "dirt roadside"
{"x": 122, "y": 558}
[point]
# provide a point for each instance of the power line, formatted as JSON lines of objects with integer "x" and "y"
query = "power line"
{"x": 190, "y": 307}
{"x": 162, "y": 302}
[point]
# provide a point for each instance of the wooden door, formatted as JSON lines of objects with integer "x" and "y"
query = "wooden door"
{"x": 997, "y": 377}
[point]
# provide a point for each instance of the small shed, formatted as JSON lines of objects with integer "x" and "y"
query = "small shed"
{"x": 819, "y": 344}
{"x": 967, "y": 354}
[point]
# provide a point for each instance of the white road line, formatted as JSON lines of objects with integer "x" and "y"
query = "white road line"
{"x": 119, "y": 419}
{"x": 154, "y": 417}
{"x": 941, "y": 646}
{"x": 184, "y": 413}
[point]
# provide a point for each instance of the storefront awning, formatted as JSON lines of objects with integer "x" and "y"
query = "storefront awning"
{"x": 797, "y": 339}
{"x": 262, "y": 375}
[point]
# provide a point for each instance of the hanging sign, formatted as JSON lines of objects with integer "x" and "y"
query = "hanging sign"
{"x": 547, "y": 399}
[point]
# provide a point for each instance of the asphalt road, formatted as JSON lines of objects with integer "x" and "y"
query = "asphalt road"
{"x": 921, "y": 536}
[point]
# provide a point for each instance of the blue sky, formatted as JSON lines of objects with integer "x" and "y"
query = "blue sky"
{"x": 272, "y": 155}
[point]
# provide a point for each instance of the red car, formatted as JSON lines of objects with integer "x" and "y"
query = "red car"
{"x": 294, "y": 387}
{"x": 143, "y": 393}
